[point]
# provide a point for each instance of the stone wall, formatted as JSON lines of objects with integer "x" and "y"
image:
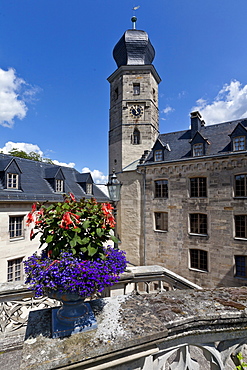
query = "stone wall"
{"x": 171, "y": 249}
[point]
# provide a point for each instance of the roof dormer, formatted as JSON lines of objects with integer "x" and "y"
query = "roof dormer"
{"x": 198, "y": 145}
{"x": 56, "y": 179}
{"x": 238, "y": 138}
{"x": 10, "y": 174}
{"x": 86, "y": 182}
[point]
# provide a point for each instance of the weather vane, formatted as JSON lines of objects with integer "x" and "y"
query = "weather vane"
{"x": 134, "y": 19}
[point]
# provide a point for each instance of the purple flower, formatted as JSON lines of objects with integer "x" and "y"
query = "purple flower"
{"x": 74, "y": 274}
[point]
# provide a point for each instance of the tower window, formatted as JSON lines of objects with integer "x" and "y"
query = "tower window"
{"x": 136, "y": 137}
{"x": 116, "y": 93}
{"x": 136, "y": 89}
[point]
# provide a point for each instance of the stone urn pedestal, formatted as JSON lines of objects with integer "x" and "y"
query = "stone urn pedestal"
{"x": 74, "y": 316}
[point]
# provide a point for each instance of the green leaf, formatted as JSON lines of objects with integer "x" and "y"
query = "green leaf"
{"x": 73, "y": 250}
{"x": 114, "y": 239}
{"x": 91, "y": 251}
{"x": 99, "y": 231}
{"x": 73, "y": 242}
{"x": 86, "y": 224}
{"x": 49, "y": 238}
{"x": 85, "y": 241}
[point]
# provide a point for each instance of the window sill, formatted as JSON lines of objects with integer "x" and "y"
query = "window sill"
{"x": 17, "y": 239}
{"x": 161, "y": 231}
{"x": 238, "y": 238}
{"x": 240, "y": 277}
{"x": 198, "y": 270}
{"x": 203, "y": 235}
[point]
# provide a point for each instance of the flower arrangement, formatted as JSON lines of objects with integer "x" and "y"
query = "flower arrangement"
{"x": 74, "y": 259}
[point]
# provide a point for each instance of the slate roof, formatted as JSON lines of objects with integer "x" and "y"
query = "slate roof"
{"x": 134, "y": 48}
{"x": 177, "y": 145}
{"x": 34, "y": 185}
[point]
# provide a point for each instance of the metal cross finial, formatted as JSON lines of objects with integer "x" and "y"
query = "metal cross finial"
{"x": 134, "y": 19}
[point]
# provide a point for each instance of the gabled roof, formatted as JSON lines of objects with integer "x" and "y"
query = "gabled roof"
{"x": 35, "y": 186}
{"x": 180, "y": 142}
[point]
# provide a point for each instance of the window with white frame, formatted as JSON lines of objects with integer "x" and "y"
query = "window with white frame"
{"x": 15, "y": 270}
{"x": 161, "y": 221}
{"x": 12, "y": 180}
{"x": 238, "y": 143}
{"x": 198, "y": 187}
{"x": 197, "y": 150}
{"x": 199, "y": 259}
{"x": 16, "y": 227}
{"x": 158, "y": 155}
{"x": 89, "y": 188}
{"x": 240, "y": 266}
{"x": 161, "y": 188}
{"x": 241, "y": 226}
{"x": 198, "y": 223}
{"x": 59, "y": 186}
{"x": 241, "y": 185}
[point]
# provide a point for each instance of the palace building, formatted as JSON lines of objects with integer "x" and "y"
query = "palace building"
{"x": 184, "y": 194}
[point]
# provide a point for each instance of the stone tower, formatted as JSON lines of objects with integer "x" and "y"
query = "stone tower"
{"x": 133, "y": 100}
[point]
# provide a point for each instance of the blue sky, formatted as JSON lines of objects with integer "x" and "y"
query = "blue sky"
{"x": 55, "y": 57}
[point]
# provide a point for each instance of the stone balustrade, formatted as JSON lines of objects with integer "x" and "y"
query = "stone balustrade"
{"x": 171, "y": 329}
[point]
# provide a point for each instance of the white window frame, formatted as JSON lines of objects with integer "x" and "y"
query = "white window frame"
{"x": 163, "y": 221}
{"x": 12, "y": 181}
{"x": 16, "y": 227}
{"x": 59, "y": 185}
{"x": 15, "y": 270}
{"x": 89, "y": 188}
{"x": 197, "y": 150}
{"x": 158, "y": 155}
{"x": 238, "y": 143}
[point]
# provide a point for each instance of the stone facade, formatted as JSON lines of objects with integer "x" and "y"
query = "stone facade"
{"x": 171, "y": 248}
{"x": 123, "y": 149}
{"x": 201, "y": 236}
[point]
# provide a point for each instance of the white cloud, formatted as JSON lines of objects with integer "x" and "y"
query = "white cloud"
{"x": 21, "y": 146}
{"x": 11, "y": 104}
{"x": 167, "y": 110}
{"x": 229, "y": 104}
{"x": 71, "y": 164}
{"x": 26, "y": 147}
{"x": 98, "y": 176}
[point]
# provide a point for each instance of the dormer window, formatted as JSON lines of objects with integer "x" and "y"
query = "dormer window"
{"x": 89, "y": 188}
{"x": 59, "y": 186}
{"x": 158, "y": 155}
{"x": 12, "y": 180}
{"x": 197, "y": 150}
{"x": 238, "y": 143}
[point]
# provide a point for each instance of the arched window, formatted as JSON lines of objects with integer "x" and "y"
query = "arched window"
{"x": 136, "y": 137}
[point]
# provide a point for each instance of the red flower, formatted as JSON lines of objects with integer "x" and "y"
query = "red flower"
{"x": 33, "y": 207}
{"x": 30, "y": 219}
{"x": 109, "y": 218}
{"x": 31, "y": 234}
{"x": 72, "y": 197}
{"x": 67, "y": 220}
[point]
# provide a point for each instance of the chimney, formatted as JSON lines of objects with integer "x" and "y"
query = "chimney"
{"x": 196, "y": 122}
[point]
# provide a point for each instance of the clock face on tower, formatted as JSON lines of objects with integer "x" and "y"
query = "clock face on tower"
{"x": 136, "y": 111}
